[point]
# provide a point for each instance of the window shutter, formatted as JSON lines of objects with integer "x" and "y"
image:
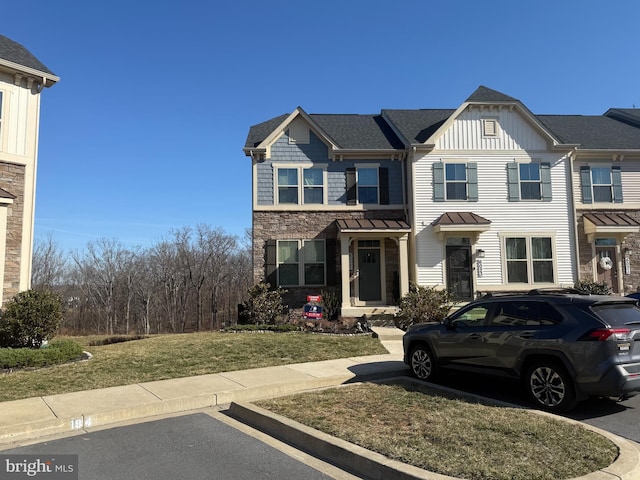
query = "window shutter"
{"x": 351, "y": 186}
{"x": 616, "y": 177}
{"x": 383, "y": 178}
{"x": 438, "y": 182}
{"x": 513, "y": 183}
{"x": 585, "y": 181}
{"x": 545, "y": 177}
{"x": 472, "y": 181}
{"x": 330, "y": 259}
{"x": 270, "y": 265}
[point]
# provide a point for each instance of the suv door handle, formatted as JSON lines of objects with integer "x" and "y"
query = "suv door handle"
{"x": 526, "y": 335}
{"x": 475, "y": 336}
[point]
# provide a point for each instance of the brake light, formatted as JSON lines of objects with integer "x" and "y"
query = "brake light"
{"x": 603, "y": 334}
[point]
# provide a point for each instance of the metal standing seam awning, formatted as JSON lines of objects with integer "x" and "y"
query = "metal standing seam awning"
{"x": 460, "y": 222}
{"x": 617, "y": 225}
{"x": 363, "y": 226}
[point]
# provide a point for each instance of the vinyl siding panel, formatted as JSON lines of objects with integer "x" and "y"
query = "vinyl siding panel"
{"x": 514, "y": 132}
{"x": 523, "y": 217}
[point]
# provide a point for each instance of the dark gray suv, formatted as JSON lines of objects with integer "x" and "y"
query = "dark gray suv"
{"x": 565, "y": 347}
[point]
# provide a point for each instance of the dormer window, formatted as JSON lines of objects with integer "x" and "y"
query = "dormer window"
{"x": 489, "y": 127}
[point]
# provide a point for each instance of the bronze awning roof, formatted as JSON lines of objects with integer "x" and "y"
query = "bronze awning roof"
{"x": 615, "y": 224}
{"x": 461, "y": 222}
{"x": 374, "y": 225}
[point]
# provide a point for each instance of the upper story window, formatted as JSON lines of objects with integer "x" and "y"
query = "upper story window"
{"x": 289, "y": 191}
{"x": 601, "y": 184}
{"x": 367, "y": 186}
{"x": 455, "y": 181}
{"x": 367, "y": 181}
{"x": 288, "y": 185}
{"x": 529, "y": 181}
{"x": 529, "y": 259}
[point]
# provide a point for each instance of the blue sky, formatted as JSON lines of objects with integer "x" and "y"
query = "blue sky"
{"x": 144, "y": 132}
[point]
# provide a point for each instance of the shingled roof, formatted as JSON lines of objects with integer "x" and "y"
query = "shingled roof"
{"x": 617, "y": 129}
{"x": 18, "y": 54}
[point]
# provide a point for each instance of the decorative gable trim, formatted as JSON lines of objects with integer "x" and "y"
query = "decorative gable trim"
{"x": 297, "y": 115}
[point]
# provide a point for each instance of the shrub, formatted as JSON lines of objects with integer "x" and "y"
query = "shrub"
{"x": 264, "y": 304}
{"x": 58, "y": 351}
{"x": 283, "y": 327}
{"x": 330, "y": 303}
{"x": 423, "y": 304}
{"x": 30, "y": 318}
{"x": 591, "y": 287}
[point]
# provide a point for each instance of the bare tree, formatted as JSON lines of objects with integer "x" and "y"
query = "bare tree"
{"x": 49, "y": 265}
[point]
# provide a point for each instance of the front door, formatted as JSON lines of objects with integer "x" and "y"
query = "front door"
{"x": 459, "y": 272}
{"x": 370, "y": 289}
{"x": 607, "y": 267}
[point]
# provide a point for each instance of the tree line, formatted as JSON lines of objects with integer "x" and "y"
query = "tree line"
{"x": 191, "y": 281}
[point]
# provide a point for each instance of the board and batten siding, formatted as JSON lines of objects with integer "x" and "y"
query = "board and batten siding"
{"x": 514, "y": 132}
{"x": 517, "y": 141}
{"x": 630, "y": 174}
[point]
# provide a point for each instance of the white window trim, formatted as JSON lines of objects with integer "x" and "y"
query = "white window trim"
{"x": 593, "y": 184}
{"x": 528, "y": 236}
{"x": 539, "y": 182}
{"x": 301, "y": 168}
{"x": 466, "y": 181}
{"x": 301, "y": 261}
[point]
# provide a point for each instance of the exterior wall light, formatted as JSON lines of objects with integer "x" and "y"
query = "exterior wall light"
{"x": 480, "y": 253}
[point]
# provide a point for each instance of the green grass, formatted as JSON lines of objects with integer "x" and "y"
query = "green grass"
{"x": 450, "y": 435}
{"x": 162, "y": 357}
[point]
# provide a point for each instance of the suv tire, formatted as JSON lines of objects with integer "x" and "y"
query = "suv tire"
{"x": 550, "y": 386}
{"x": 422, "y": 362}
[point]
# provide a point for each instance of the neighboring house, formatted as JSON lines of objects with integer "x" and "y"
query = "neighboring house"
{"x": 487, "y": 197}
{"x": 22, "y": 79}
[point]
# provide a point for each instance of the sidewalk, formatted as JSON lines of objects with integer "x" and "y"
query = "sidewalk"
{"x": 31, "y": 418}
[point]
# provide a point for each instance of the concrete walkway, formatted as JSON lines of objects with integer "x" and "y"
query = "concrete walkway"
{"x": 23, "y": 421}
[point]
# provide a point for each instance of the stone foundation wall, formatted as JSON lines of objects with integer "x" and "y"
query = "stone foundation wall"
{"x": 631, "y": 281}
{"x": 12, "y": 178}
{"x": 284, "y": 225}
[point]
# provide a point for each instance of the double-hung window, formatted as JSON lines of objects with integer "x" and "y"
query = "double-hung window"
{"x": 367, "y": 181}
{"x": 529, "y": 181}
{"x": 288, "y": 186}
{"x": 601, "y": 184}
{"x": 456, "y": 181}
{"x": 529, "y": 259}
{"x": 301, "y": 262}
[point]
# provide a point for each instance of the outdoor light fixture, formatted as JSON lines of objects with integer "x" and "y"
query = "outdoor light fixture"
{"x": 480, "y": 253}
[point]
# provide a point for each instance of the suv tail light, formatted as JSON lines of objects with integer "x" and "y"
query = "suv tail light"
{"x": 603, "y": 334}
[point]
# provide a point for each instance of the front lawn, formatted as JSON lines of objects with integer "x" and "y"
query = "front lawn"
{"x": 161, "y": 357}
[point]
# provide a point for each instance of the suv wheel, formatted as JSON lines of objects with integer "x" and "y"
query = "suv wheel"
{"x": 550, "y": 386}
{"x": 422, "y": 362}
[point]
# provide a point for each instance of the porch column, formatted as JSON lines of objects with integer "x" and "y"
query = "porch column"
{"x": 404, "y": 264}
{"x": 345, "y": 274}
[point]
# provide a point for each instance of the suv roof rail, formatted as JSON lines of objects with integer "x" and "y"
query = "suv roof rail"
{"x": 556, "y": 291}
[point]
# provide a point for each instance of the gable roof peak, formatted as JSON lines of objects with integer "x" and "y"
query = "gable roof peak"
{"x": 484, "y": 94}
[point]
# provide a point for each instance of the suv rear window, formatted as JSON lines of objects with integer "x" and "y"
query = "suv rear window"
{"x": 618, "y": 314}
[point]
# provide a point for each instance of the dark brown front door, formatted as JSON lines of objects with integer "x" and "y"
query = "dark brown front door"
{"x": 607, "y": 267}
